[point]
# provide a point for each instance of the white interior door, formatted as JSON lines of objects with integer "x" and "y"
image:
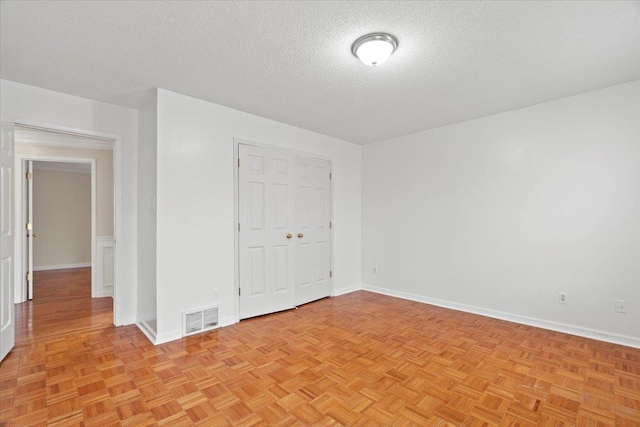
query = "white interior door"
{"x": 7, "y": 325}
{"x": 30, "y": 231}
{"x": 313, "y": 234}
{"x": 266, "y": 196}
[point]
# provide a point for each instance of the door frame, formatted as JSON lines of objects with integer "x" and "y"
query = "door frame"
{"x": 115, "y": 141}
{"x": 236, "y": 212}
{"x": 20, "y": 292}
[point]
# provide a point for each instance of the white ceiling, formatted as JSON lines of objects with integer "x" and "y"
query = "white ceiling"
{"x": 291, "y": 61}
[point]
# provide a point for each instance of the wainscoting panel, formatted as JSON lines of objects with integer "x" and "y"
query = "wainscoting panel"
{"x": 104, "y": 267}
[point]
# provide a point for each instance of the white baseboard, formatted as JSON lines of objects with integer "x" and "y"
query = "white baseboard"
{"x": 228, "y": 321}
{"x": 343, "y": 291}
{"x": 147, "y": 331}
{"x": 62, "y": 266}
{"x": 165, "y": 338}
{"x": 128, "y": 320}
{"x": 103, "y": 295}
{"x": 510, "y": 317}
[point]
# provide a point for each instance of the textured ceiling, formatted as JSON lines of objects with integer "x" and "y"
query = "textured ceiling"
{"x": 291, "y": 61}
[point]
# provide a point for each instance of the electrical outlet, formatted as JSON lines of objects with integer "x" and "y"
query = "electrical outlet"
{"x": 216, "y": 294}
{"x": 562, "y": 297}
{"x": 618, "y": 305}
{"x": 375, "y": 270}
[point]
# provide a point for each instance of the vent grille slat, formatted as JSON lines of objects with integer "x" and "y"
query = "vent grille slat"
{"x": 197, "y": 321}
{"x": 193, "y": 322}
{"x": 210, "y": 317}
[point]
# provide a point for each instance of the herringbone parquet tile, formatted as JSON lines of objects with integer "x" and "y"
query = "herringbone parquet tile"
{"x": 360, "y": 359}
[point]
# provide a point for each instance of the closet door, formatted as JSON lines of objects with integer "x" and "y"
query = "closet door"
{"x": 266, "y": 227}
{"x": 313, "y": 234}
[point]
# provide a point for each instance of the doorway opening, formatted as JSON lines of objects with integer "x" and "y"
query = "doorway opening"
{"x": 65, "y": 243}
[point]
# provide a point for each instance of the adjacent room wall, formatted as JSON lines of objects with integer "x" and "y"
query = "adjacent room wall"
{"x": 23, "y": 103}
{"x": 104, "y": 177}
{"x": 147, "y": 179}
{"x": 195, "y": 216}
{"x": 498, "y": 214}
{"x": 62, "y": 212}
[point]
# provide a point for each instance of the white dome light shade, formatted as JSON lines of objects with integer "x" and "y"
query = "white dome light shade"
{"x": 374, "y": 52}
{"x": 374, "y": 49}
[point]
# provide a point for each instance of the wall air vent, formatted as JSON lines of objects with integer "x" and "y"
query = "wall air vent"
{"x": 196, "y": 321}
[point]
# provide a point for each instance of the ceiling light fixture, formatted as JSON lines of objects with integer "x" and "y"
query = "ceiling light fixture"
{"x": 373, "y": 49}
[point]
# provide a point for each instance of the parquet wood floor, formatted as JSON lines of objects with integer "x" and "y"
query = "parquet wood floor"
{"x": 61, "y": 304}
{"x": 360, "y": 359}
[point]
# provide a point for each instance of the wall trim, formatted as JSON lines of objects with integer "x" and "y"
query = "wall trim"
{"x": 228, "y": 321}
{"x": 62, "y": 266}
{"x": 33, "y": 135}
{"x": 147, "y": 331}
{"x": 127, "y": 320}
{"x": 348, "y": 290}
{"x": 510, "y": 317}
{"x": 165, "y": 338}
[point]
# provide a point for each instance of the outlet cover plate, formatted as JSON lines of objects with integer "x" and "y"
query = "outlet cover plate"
{"x": 619, "y": 306}
{"x": 563, "y": 297}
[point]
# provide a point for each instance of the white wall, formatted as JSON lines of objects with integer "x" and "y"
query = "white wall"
{"x": 195, "y": 216}
{"x": 62, "y": 218}
{"x": 28, "y": 104}
{"x": 147, "y": 178}
{"x": 498, "y": 214}
{"x": 494, "y": 215}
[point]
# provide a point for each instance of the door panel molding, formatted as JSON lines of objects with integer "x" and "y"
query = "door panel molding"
{"x": 313, "y": 195}
{"x": 7, "y": 237}
{"x": 320, "y": 249}
{"x": 265, "y": 197}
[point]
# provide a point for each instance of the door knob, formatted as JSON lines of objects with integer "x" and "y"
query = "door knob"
{"x": 289, "y": 235}
{"x": 300, "y": 235}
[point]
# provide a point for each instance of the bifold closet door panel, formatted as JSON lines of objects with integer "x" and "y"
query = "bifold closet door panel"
{"x": 266, "y": 208}
{"x": 313, "y": 233}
